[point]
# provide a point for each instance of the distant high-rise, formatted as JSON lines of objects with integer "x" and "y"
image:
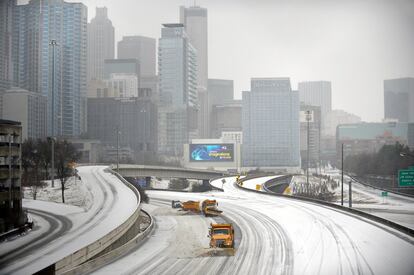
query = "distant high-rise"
{"x": 226, "y": 117}
{"x": 141, "y": 48}
{"x": 35, "y": 25}
{"x": 6, "y": 12}
{"x": 121, "y": 66}
{"x": 316, "y": 93}
{"x": 336, "y": 117}
{"x": 399, "y": 99}
{"x": 135, "y": 118}
{"x": 27, "y": 107}
{"x": 177, "y": 88}
{"x": 123, "y": 85}
{"x": 220, "y": 91}
{"x": 101, "y": 43}
{"x": 195, "y": 23}
{"x": 271, "y": 125}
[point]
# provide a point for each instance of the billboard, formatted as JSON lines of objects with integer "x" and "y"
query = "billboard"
{"x": 212, "y": 152}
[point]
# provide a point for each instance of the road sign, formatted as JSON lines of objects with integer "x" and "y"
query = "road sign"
{"x": 406, "y": 178}
{"x": 384, "y": 194}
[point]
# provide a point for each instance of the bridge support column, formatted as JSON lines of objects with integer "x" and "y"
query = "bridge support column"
{"x": 205, "y": 183}
{"x": 147, "y": 182}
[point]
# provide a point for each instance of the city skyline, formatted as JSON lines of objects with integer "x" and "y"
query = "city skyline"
{"x": 363, "y": 44}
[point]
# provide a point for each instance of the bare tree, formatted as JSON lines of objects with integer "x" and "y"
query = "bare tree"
{"x": 31, "y": 163}
{"x": 65, "y": 154}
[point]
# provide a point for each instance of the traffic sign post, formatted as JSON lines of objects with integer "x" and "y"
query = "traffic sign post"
{"x": 406, "y": 178}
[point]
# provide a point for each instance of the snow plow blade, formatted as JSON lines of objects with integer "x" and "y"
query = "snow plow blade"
{"x": 212, "y": 212}
{"x": 217, "y": 252}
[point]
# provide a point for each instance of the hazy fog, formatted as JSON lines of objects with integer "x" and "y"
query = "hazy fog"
{"x": 356, "y": 44}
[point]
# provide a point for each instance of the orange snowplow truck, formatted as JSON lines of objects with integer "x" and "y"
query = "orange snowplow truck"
{"x": 207, "y": 207}
{"x": 221, "y": 235}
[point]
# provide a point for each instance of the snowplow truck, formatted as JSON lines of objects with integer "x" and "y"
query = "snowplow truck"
{"x": 221, "y": 235}
{"x": 207, "y": 207}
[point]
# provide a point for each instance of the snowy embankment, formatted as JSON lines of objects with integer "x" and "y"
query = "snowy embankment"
{"x": 76, "y": 193}
{"x": 113, "y": 203}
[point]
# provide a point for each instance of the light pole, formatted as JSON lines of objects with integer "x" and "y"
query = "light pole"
{"x": 117, "y": 149}
{"x": 308, "y": 119}
{"x": 342, "y": 175}
{"x": 53, "y": 43}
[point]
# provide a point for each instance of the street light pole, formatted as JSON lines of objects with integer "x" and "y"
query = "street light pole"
{"x": 308, "y": 118}
{"x": 117, "y": 150}
{"x": 53, "y": 43}
{"x": 342, "y": 176}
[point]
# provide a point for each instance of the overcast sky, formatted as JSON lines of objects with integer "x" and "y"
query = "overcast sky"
{"x": 355, "y": 44}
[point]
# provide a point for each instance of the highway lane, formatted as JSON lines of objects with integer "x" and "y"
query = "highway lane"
{"x": 47, "y": 227}
{"x": 113, "y": 203}
{"x": 279, "y": 236}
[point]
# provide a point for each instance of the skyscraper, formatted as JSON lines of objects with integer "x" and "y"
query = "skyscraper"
{"x": 101, "y": 43}
{"x": 271, "y": 125}
{"x": 6, "y": 11}
{"x": 178, "y": 94}
{"x": 316, "y": 93}
{"x": 399, "y": 99}
{"x": 195, "y": 23}
{"x": 141, "y": 48}
{"x": 35, "y": 25}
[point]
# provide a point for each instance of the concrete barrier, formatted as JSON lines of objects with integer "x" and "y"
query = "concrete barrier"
{"x": 112, "y": 255}
{"x": 82, "y": 255}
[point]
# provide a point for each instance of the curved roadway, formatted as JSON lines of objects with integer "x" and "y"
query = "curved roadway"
{"x": 63, "y": 229}
{"x": 278, "y": 236}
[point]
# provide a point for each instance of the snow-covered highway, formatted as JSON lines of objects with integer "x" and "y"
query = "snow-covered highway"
{"x": 63, "y": 229}
{"x": 278, "y": 236}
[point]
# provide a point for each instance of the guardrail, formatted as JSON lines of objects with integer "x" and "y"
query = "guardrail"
{"x": 383, "y": 221}
{"x": 112, "y": 255}
{"x": 84, "y": 254}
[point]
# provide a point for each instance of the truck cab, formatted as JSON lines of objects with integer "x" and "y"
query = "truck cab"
{"x": 221, "y": 235}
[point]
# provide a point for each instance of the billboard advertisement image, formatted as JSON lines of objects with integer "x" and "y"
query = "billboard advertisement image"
{"x": 212, "y": 152}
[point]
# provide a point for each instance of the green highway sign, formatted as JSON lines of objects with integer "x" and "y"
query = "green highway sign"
{"x": 384, "y": 194}
{"x": 406, "y": 178}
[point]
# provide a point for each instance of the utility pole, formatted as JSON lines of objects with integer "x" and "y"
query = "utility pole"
{"x": 308, "y": 118}
{"x": 117, "y": 149}
{"x": 53, "y": 43}
{"x": 342, "y": 176}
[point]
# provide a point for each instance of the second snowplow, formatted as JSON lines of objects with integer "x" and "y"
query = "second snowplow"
{"x": 207, "y": 207}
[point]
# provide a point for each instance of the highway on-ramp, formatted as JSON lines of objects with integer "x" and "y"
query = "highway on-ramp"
{"x": 277, "y": 236}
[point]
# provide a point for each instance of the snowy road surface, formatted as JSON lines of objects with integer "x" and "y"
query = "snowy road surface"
{"x": 278, "y": 236}
{"x": 62, "y": 229}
